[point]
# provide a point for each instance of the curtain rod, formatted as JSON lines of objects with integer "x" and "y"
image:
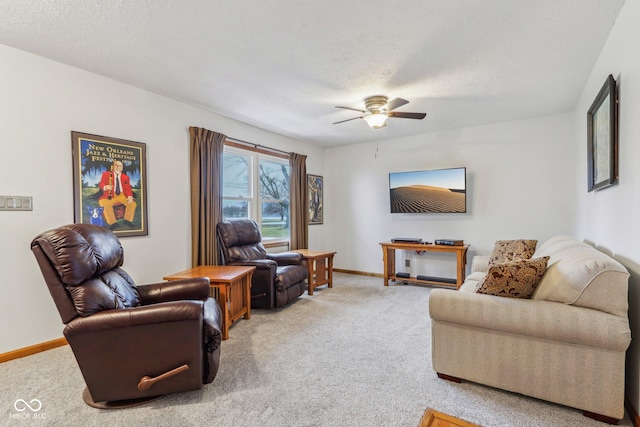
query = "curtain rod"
{"x": 258, "y": 146}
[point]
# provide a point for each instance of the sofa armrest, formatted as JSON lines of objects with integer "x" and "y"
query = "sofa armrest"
{"x": 535, "y": 318}
{"x": 175, "y": 290}
{"x": 286, "y": 258}
{"x": 480, "y": 264}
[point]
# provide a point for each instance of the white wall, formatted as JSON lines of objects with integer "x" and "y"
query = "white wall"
{"x": 41, "y": 102}
{"x": 520, "y": 184}
{"x": 608, "y": 218}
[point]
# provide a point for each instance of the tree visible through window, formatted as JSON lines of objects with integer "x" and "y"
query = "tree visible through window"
{"x": 245, "y": 171}
{"x": 274, "y": 198}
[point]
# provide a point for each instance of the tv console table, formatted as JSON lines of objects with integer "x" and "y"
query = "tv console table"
{"x": 389, "y": 260}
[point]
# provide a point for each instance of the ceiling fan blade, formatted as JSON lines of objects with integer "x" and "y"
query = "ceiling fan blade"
{"x": 418, "y": 116}
{"x": 349, "y": 108}
{"x": 395, "y": 103}
{"x": 348, "y": 120}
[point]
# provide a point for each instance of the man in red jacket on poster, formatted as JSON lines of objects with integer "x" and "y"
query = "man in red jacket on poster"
{"x": 116, "y": 190}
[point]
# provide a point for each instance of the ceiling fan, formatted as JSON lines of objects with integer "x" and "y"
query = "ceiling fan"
{"x": 378, "y": 110}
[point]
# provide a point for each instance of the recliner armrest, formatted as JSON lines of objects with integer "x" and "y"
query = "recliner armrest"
{"x": 286, "y": 258}
{"x": 175, "y": 290}
{"x": 259, "y": 264}
{"x": 156, "y": 314}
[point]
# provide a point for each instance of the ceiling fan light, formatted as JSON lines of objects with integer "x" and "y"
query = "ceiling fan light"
{"x": 376, "y": 120}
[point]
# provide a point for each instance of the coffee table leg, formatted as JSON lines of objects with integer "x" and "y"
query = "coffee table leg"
{"x": 224, "y": 305}
{"x": 247, "y": 295}
{"x": 310, "y": 281}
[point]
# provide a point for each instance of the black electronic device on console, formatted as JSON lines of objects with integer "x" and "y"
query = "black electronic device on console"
{"x": 406, "y": 240}
{"x": 437, "y": 279}
{"x": 449, "y": 242}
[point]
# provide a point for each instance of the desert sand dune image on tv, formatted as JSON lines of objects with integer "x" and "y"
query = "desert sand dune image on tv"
{"x": 436, "y": 191}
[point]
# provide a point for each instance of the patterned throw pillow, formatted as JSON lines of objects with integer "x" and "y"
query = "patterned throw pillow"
{"x": 517, "y": 279}
{"x": 512, "y": 250}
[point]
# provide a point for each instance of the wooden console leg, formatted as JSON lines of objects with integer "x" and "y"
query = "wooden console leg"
{"x": 449, "y": 377}
{"x": 602, "y": 418}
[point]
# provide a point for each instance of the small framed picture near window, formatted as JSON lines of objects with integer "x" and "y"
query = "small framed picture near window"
{"x": 602, "y": 138}
{"x": 314, "y": 185}
{"x": 110, "y": 183}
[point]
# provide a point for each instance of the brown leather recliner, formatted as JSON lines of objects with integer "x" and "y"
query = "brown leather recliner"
{"x": 132, "y": 343}
{"x": 278, "y": 278}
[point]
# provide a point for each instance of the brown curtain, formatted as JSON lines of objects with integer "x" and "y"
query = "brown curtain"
{"x": 206, "y": 196}
{"x": 299, "y": 201}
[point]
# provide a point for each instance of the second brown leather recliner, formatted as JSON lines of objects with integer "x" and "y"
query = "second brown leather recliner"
{"x": 278, "y": 279}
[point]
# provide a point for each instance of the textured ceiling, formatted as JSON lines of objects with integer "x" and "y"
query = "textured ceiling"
{"x": 283, "y": 65}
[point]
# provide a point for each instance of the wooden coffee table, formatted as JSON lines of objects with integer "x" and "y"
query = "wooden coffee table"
{"x": 234, "y": 290}
{"x": 320, "y": 267}
{"x": 433, "y": 418}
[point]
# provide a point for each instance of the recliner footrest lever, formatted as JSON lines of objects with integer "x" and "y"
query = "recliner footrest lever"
{"x": 147, "y": 382}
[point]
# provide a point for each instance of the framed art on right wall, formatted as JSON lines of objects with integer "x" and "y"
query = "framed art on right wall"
{"x": 602, "y": 138}
{"x": 314, "y": 185}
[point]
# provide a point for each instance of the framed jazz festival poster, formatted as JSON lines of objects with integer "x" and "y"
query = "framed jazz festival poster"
{"x": 109, "y": 183}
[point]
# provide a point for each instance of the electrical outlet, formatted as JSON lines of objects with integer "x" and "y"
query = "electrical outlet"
{"x": 407, "y": 263}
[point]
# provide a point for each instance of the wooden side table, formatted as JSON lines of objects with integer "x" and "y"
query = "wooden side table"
{"x": 320, "y": 267}
{"x": 234, "y": 290}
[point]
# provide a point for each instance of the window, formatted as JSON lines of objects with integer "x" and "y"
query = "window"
{"x": 256, "y": 186}
{"x": 236, "y": 188}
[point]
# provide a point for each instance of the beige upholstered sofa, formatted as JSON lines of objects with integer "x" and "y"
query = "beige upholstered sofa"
{"x": 565, "y": 345}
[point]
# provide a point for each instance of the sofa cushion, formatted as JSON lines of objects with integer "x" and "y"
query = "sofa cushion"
{"x": 579, "y": 274}
{"x": 545, "y": 320}
{"x": 553, "y": 241}
{"x": 512, "y": 250}
{"x": 517, "y": 279}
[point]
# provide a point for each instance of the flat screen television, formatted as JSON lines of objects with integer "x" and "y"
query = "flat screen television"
{"x": 429, "y": 191}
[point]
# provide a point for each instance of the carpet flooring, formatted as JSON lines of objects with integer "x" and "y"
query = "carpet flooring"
{"x": 354, "y": 355}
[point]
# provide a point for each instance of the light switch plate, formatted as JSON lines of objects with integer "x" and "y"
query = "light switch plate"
{"x": 16, "y": 203}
